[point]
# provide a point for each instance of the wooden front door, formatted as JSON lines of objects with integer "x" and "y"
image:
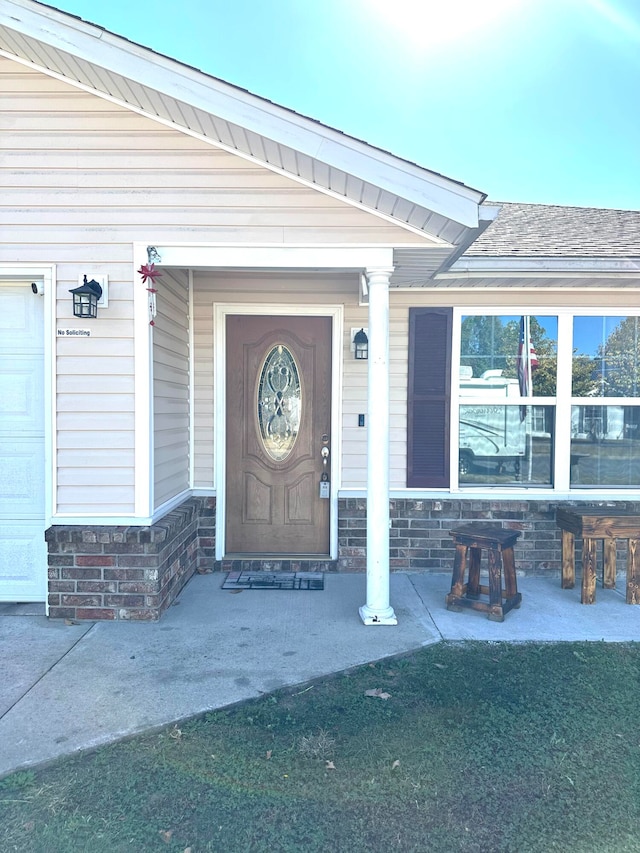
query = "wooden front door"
{"x": 278, "y": 422}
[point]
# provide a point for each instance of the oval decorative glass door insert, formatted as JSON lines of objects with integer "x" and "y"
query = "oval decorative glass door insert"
{"x": 279, "y": 403}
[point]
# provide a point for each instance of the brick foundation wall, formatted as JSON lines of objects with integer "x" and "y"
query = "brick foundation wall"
{"x": 129, "y": 573}
{"x": 135, "y": 573}
{"x": 419, "y": 537}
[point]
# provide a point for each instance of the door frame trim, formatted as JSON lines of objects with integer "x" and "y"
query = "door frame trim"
{"x": 220, "y": 312}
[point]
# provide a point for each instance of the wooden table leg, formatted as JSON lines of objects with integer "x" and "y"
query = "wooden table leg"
{"x": 568, "y": 560}
{"x": 588, "y": 571}
{"x": 496, "y": 614}
{"x": 459, "y": 566}
{"x": 609, "y": 574}
{"x": 633, "y": 572}
{"x": 495, "y": 577}
{"x": 513, "y": 597}
{"x": 473, "y": 586}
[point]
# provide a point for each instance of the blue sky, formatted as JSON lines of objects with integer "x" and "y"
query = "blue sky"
{"x": 526, "y": 100}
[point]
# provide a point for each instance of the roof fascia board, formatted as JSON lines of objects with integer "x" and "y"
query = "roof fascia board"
{"x": 93, "y": 44}
{"x": 477, "y": 266}
{"x": 401, "y": 179}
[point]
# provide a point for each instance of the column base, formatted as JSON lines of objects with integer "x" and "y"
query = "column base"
{"x": 378, "y": 617}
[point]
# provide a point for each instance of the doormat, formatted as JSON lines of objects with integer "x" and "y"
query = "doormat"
{"x": 274, "y": 580}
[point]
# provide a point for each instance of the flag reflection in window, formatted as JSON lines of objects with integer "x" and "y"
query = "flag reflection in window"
{"x": 504, "y": 362}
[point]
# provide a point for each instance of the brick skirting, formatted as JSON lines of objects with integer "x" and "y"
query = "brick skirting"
{"x": 135, "y": 573}
{"x": 419, "y": 537}
{"x": 130, "y": 573}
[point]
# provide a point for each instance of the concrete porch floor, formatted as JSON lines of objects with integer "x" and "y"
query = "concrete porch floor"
{"x": 66, "y": 688}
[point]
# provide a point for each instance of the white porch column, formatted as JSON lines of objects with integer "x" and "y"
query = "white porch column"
{"x": 377, "y": 610}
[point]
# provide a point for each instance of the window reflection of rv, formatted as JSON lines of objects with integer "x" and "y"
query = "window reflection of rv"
{"x": 491, "y": 433}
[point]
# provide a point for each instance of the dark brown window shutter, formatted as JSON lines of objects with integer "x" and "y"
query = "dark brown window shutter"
{"x": 429, "y": 396}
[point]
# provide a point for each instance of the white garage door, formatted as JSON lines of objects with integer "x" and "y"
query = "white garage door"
{"x": 23, "y": 558}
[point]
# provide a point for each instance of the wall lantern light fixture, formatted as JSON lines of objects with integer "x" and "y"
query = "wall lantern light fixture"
{"x": 361, "y": 345}
{"x": 85, "y": 298}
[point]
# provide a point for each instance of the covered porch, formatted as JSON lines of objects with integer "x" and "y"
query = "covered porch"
{"x": 345, "y": 286}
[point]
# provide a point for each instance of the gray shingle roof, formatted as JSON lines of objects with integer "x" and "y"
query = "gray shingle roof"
{"x": 549, "y": 231}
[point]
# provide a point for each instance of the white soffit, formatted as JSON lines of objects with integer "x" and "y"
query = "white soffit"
{"x": 414, "y": 267}
{"x": 166, "y": 90}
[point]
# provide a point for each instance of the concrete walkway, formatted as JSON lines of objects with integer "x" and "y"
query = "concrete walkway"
{"x": 65, "y": 688}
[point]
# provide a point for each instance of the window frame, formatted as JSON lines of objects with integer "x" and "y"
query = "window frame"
{"x": 562, "y": 402}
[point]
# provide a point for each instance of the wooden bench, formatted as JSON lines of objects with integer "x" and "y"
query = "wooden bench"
{"x": 606, "y": 524}
{"x": 498, "y": 542}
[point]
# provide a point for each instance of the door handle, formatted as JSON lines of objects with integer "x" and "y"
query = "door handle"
{"x": 325, "y": 457}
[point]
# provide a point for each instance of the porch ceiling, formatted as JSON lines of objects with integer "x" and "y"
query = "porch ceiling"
{"x": 445, "y": 212}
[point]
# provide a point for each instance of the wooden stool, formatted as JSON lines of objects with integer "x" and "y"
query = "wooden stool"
{"x": 499, "y": 545}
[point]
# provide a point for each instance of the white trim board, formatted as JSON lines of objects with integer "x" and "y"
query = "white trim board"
{"x": 251, "y": 256}
{"x": 143, "y": 384}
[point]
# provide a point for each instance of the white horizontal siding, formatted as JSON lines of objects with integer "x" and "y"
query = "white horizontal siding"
{"x": 85, "y": 475}
{"x": 171, "y": 400}
{"x": 80, "y": 181}
{"x": 203, "y": 372}
{"x": 354, "y": 403}
{"x": 109, "y": 384}
{"x": 82, "y": 441}
{"x": 86, "y": 403}
{"x": 102, "y": 499}
{"x": 108, "y": 422}
{"x": 99, "y": 165}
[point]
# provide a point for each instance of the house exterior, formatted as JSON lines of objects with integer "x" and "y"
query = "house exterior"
{"x": 213, "y": 415}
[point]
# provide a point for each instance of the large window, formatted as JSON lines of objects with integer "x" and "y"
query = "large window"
{"x": 538, "y": 400}
{"x": 605, "y": 410}
{"x": 505, "y": 362}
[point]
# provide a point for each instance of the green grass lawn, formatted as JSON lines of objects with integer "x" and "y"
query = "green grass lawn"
{"x": 467, "y": 747}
